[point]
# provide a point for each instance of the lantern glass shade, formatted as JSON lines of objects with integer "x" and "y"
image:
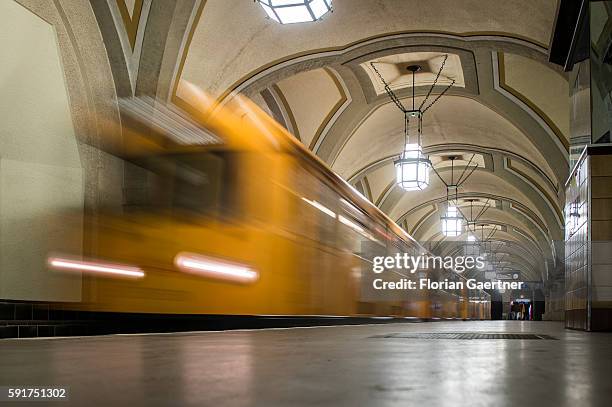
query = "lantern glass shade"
{"x": 296, "y": 11}
{"x": 452, "y": 222}
{"x": 412, "y": 169}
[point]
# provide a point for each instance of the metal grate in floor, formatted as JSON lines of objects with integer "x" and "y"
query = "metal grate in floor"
{"x": 464, "y": 335}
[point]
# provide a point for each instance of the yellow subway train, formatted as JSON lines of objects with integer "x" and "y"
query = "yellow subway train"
{"x": 243, "y": 221}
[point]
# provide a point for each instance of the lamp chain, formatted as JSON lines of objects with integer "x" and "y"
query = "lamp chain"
{"x": 397, "y": 101}
{"x": 389, "y": 91}
{"x": 434, "y": 84}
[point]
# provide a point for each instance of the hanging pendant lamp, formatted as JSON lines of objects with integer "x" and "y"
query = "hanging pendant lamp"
{"x": 413, "y": 166}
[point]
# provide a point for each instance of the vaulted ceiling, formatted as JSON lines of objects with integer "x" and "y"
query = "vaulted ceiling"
{"x": 508, "y": 112}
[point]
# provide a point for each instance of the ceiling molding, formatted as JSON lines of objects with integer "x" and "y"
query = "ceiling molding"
{"x": 276, "y": 109}
{"x": 533, "y": 218}
{"x": 536, "y": 186}
{"x": 482, "y": 36}
{"x": 336, "y": 110}
{"x": 501, "y": 69}
{"x": 132, "y": 21}
{"x": 194, "y": 21}
{"x": 281, "y": 100}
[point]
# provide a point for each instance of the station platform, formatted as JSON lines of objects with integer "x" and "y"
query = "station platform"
{"x": 449, "y": 363}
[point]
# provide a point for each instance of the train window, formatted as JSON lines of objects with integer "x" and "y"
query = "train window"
{"x": 353, "y": 232}
{"x": 199, "y": 183}
{"x": 328, "y": 224}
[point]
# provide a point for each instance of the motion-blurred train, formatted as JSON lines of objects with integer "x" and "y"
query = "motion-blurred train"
{"x": 242, "y": 221}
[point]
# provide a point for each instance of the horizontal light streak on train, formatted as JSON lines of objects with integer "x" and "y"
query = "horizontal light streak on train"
{"x": 349, "y": 205}
{"x": 214, "y": 268}
{"x": 320, "y": 207}
{"x": 98, "y": 268}
{"x": 350, "y": 224}
{"x": 342, "y": 219}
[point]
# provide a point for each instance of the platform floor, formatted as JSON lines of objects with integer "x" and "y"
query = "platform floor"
{"x": 327, "y": 366}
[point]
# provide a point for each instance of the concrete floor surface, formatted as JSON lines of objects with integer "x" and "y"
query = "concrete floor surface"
{"x": 322, "y": 366}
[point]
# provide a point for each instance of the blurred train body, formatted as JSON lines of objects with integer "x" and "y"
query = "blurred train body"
{"x": 283, "y": 233}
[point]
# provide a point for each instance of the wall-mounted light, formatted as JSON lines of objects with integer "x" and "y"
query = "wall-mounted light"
{"x": 295, "y": 11}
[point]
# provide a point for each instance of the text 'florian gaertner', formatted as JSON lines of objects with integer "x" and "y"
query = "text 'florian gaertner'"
{"x": 427, "y": 284}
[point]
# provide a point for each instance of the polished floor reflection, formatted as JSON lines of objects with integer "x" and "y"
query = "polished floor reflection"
{"x": 335, "y": 366}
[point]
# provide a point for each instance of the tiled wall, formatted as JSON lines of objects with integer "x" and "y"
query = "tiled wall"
{"x": 23, "y": 319}
{"x": 36, "y": 319}
{"x": 576, "y": 247}
{"x": 588, "y": 242}
{"x": 601, "y": 246}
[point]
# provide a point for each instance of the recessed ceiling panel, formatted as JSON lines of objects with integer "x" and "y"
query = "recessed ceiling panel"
{"x": 394, "y": 69}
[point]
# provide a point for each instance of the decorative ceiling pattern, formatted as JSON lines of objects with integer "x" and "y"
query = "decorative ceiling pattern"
{"x": 221, "y": 60}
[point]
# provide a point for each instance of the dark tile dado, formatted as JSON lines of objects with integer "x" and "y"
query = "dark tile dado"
{"x": 23, "y": 311}
{"x": 28, "y": 331}
{"x": 46, "y": 330}
{"x": 7, "y": 310}
{"x": 40, "y": 312}
{"x": 8, "y": 332}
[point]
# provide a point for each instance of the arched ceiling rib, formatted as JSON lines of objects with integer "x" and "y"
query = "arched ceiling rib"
{"x": 453, "y": 119}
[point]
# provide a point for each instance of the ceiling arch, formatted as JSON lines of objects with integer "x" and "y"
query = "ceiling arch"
{"x": 453, "y": 119}
{"x": 542, "y": 137}
{"x": 253, "y": 41}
